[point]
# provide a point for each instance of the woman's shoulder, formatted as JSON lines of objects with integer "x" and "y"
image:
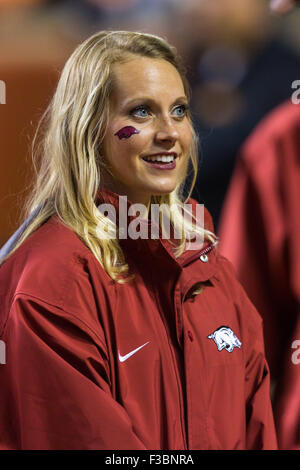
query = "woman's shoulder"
{"x": 224, "y": 277}
{"x": 54, "y": 265}
{"x": 233, "y": 290}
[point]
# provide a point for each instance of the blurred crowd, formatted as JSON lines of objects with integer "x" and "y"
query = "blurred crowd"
{"x": 241, "y": 62}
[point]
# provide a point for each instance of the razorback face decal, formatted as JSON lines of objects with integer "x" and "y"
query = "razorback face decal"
{"x": 126, "y": 132}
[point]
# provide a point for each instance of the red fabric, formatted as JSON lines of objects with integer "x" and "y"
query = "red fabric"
{"x": 66, "y": 325}
{"x": 260, "y": 234}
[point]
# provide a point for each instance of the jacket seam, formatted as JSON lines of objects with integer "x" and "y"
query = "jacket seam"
{"x": 111, "y": 366}
{"x": 18, "y": 293}
{"x": 189, "y": 402}
{"x": 180, "y": 393}
{"x": 90, "y": 256}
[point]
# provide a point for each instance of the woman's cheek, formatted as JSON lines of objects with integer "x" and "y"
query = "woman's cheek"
{"x": 133, "y": 139}
{"x": 187, "y": 138}
{"x": 126, "y": 132}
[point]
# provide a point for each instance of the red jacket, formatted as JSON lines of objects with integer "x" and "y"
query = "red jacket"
{"x": 91, "y": 364}
{"x": 260, "y": 234}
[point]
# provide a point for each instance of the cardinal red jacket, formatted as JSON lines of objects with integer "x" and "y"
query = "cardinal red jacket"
{"x": 92, "y": 364}
{"x": 260, "y": 234}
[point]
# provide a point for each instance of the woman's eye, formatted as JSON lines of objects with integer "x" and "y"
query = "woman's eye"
{"x": 143, "y": 111}
{"x": 140, "y": 111}
{"x": 181, "y": 110}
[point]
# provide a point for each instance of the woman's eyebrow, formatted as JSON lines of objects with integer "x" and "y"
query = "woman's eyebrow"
{"x": 147, "y": 99}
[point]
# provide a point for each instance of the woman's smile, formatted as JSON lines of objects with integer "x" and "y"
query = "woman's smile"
{"x": 162, "y": 161}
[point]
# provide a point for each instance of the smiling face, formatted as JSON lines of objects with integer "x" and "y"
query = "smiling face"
{"x": 149, "y": 101}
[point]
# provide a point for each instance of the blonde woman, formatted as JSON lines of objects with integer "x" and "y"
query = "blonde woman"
{"x": 118, "y": 333}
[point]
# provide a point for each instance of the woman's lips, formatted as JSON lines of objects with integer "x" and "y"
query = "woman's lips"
{"x": 162, "y": 166}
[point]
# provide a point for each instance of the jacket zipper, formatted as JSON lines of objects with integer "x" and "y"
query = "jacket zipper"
{"x": 199, "y": 253}
{"x": 180, "y": 392}
{"x": 175, "y": 369}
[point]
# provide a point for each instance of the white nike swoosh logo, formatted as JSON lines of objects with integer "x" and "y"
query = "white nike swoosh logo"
{"x": 127, "y": 356}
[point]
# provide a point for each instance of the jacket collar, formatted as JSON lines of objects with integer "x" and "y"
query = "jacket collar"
{"x": 162, "y": 247}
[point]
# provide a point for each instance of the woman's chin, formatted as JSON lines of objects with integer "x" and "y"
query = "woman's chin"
{"x": 163, "y": 190}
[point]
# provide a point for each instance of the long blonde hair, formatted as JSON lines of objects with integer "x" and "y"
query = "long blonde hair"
{"x": 75, "y": 122}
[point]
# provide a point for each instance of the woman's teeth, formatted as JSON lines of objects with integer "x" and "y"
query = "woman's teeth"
{"x": 163, "y": 158}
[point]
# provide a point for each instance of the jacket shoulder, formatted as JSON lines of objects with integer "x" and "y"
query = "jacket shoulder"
{"x": 278, "y": 126}
{"x": 53, "y": 265}
{"x": 235, "y": 293}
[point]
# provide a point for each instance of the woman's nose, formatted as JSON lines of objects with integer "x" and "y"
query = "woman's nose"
{"x": 166, "y": 131}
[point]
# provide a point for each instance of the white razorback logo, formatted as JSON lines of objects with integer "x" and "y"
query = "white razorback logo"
{"x": 224, "y": 337}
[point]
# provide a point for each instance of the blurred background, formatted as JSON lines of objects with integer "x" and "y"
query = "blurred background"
{"x": 241, "y": 62}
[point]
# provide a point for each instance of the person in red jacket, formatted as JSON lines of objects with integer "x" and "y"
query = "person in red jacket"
{"x": 259, "y": 233}
{"x": 115, "y": 337}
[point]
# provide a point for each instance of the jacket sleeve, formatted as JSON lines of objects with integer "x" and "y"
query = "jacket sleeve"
{"x": 260, "y": 429}
{"x": 55, "y": 385}
{"x": 287, "y": 411}
{"x": 260, "y": 432}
